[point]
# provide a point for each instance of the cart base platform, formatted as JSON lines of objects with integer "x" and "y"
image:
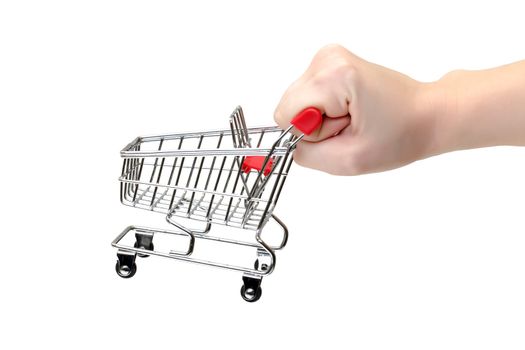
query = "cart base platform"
{"x": 143, "y": 246}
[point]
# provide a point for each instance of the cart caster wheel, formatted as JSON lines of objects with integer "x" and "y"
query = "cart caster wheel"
{"x": 125, "y": 271}
{"x": 251, "y": 295}
{"x": 264, "y": 266}
{"x": 151, "y": 247}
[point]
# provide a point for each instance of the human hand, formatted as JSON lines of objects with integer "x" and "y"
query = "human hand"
{"x": 375, "y": 118}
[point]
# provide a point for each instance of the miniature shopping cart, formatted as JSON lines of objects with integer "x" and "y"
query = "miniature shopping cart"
{"x": 230, "y": 177}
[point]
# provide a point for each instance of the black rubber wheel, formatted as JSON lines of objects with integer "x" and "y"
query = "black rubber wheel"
{"x": 250, "y": 295}
{"x": 151, "y": 247}
{"x": 125, "y": 271}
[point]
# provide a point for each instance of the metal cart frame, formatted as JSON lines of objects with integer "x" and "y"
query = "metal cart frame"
{"x": 231, "y": 177}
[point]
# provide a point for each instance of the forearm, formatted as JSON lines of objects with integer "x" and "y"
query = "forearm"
{"x": 472, "y": 109}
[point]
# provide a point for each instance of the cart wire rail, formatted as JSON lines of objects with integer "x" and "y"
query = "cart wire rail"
{"x": 232, "y": 177}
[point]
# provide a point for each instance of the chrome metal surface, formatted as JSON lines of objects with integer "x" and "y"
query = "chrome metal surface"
{"x": 200, "y": 176}
{"x": 174, "y": 175}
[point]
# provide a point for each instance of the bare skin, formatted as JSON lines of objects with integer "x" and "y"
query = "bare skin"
{"x": 377, "y": 119}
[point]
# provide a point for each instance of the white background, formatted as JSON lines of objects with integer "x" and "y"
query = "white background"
{"x": 430, "y": 256}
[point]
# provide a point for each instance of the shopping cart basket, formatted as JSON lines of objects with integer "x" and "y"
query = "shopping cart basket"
{"x": 231, "y": 177}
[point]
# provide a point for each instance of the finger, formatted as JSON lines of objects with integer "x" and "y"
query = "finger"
{"x": 330, "y": 127}
{"x": 333, "y": 104}
{"x": 326, "y": 155}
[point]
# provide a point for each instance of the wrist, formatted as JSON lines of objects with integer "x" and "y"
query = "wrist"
{"x": 438, "y": 106}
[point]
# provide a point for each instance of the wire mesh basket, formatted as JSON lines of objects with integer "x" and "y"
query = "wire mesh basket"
{"x": 231, "y": 177}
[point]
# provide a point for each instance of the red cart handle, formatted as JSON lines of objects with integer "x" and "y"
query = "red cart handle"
{"x": 308, "y": 120}
{"x": 305, "y": 121}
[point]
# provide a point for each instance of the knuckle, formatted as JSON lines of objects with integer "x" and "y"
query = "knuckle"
{"x": 333, "y": 62}
{"x": 332, "y": 53}
{"x": 337, "y": 69}
{"x": 331, "y": 49}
